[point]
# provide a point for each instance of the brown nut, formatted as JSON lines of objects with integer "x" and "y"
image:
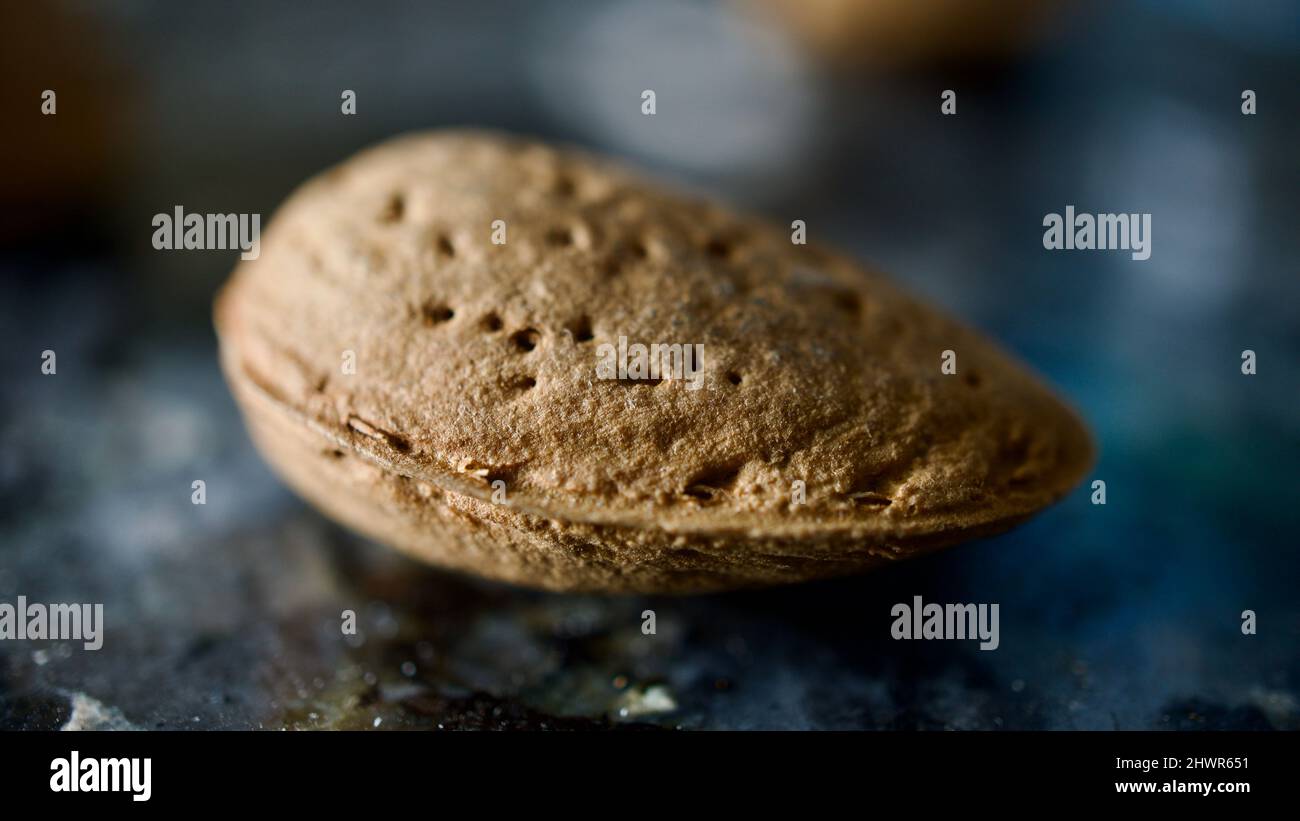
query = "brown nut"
{"x": 440, "y": 392}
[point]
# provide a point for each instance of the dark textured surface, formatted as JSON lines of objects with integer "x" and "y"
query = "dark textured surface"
{"x": 1127, "y": 615}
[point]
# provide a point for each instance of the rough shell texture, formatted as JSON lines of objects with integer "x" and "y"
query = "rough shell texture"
{"x": 476, "y": 362}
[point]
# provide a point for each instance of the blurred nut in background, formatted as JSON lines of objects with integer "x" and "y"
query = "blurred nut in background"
{"x": 911, "y": 33}
{"x": 59, "y": 163}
